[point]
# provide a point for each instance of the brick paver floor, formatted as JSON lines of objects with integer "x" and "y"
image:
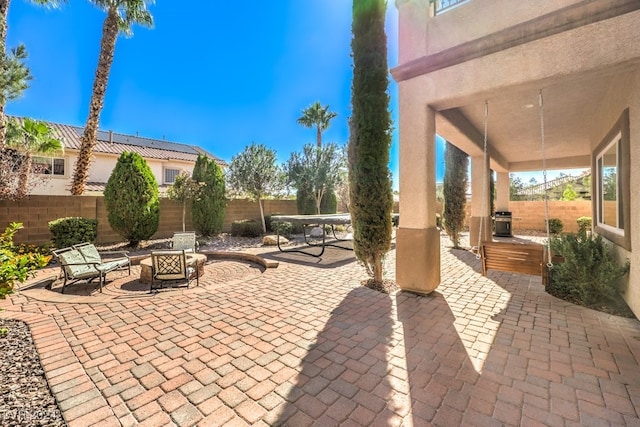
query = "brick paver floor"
{"x": 305, "y": 344}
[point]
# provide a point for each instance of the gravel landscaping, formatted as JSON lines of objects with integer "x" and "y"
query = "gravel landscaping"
{"x": 25, "y": 398}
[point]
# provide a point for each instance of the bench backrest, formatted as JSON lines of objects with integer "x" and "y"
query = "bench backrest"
{"x": 525, "y": 258}
{"x": 184, "y": 241}
{"x": 74, "y": 263}
{"x": 89, "y": 252}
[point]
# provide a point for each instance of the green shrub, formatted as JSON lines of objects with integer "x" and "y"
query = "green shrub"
{"x": 15, "y": 267}
{"x": 131, "y": 199}
{"x": 589, "y": 274}
{"x": 207, "y": 209}
{"x": 584, "y": 223}
{"x": 246, "y": 228}
{"x": 329, "y": 202}
{"x": 70, "y": 231}
{"x": 305, "y": 202}
{"x": 284, "y": 228}
{"x": 455, "y": 192}
{"x": 555, "y": 226}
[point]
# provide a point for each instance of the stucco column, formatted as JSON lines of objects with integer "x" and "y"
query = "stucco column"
{"x": 480, "y": 204}
{"x": 502, "y": 191}
{"x": 417, "y": 238}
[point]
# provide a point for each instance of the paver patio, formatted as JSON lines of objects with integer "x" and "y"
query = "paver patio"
{"x": 306, "y": 344}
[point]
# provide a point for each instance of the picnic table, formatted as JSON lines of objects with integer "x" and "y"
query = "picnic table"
{"x": 321, "y": 221}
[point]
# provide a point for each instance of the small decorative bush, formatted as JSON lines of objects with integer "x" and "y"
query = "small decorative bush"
{"x": 584, "y": 223}
{"x": 246, "y": 228}
{"x": 15, "y": 267}
{"x": 70, "y": 231}
{"x": 284, "y": 228}
{"x": 555, "y": 226}
{"x": 589, "y": 274}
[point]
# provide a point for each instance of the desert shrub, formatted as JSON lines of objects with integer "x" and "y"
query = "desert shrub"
{"x": 284, "y": 228}
{"x": 246, "y": 228}
{"x": 70, "y": 231}
{"x": 555, "y": 226}
{"x": 584, "y": 223}
{"x": 131, "y": 199}
{"x": 15, "y": 267}
{"x": 589, "y": 274}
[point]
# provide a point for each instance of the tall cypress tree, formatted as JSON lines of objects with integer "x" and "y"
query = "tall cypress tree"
{"x": 131, "y": 199}
{"x": 371, "y": 197}
{"x": 455, "y": 191}
{"x": 207, "y": 208}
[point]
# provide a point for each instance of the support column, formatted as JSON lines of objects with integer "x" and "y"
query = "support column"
{"x": 480, "y": 204}
{"x": 417, "y": 238}
{"x": 502, "y": 191}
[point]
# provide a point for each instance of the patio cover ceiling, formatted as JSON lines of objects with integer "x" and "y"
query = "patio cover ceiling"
{"x": 514, "y": 136}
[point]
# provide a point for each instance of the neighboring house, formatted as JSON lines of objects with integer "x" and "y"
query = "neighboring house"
{"x": 554, "y": 188}
{"x": 458, "y": 57}
{"x": 166, "y": 159}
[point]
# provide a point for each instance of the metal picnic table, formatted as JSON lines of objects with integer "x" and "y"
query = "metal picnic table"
{"x": 314, "y": 220}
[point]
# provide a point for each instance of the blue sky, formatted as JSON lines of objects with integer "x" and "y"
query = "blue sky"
{"x": 220, "y": 76}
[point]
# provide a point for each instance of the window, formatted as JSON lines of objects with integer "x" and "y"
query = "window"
{"x": 170, "y": 175}
{"x": 611, "y": 169}
{"x": 48, "y": 165}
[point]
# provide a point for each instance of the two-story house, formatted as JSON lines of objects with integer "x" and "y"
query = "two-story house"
{"x": 165, "y": 159}
{"x": 548, "y": 83}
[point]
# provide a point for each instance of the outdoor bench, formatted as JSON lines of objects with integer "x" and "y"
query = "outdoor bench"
{"x": 84, "y": 262}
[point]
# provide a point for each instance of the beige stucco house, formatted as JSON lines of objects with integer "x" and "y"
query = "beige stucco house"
{"x": 166, "y": 160}
{"x": 467, "y": 65}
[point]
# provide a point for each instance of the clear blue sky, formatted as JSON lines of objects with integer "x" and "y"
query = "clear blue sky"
{"x": 220, "y": 75}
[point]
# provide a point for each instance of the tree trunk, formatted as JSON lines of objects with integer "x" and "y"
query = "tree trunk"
{"x": 4, "y": 9}
{"x": 107, "y": 49}
{"x": 318, "y": 136}
{"x": 377, "y": 269}
{"x": 264, "y": 225}
{"x": 184, "y": 215}
{"x": 23, "y": 180}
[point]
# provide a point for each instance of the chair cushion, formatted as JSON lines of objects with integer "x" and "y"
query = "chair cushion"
{"x": 112, "y": 265}
{"x": 81, "y": 270}
{"x": 169, "y": 265}
{"x": 90, "y": 253}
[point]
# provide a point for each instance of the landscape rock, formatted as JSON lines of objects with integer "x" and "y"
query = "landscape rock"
{"x": 271, "y": 240}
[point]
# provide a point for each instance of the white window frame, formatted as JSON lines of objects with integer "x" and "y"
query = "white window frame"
{"x": 51, "y": 161}
{"x": 617, "y": 142}
{"x": 620, "y": 232}
{"x": 166, "y": 170}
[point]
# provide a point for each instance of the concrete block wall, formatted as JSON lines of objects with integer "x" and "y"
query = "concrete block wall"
{"x": 35, "y": 212}
{"x": 531, "y": 215}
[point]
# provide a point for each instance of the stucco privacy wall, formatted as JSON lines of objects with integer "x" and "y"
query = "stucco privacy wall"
{"x": 624, "y": 92}
{"x": 35, "y": 212}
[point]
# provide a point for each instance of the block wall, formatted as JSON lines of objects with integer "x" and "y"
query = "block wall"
{"x": 35, "y": 212}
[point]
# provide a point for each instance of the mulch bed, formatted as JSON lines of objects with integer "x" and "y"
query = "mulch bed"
{"x": 25, "y": 398}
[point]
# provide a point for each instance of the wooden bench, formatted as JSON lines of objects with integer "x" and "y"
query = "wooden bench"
{"x": 525, "y": 258}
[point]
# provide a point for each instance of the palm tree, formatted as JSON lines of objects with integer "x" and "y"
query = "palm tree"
{"x": 121, "y": 15}
{"x": 30, "y": 137}
{"x": 317, "y": 116}
{"x": 4, "y": 10}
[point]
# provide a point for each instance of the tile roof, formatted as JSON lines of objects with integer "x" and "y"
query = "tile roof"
{"x": 117, "y": 143}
